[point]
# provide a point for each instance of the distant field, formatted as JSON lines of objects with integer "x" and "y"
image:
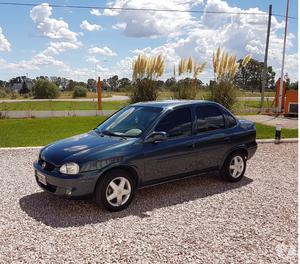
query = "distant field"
{"x": 241, "y": 107}
{"x": 38, "y": 132}
{"x": 59, "y": 105}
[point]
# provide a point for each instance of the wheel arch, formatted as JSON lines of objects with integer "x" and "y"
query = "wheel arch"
{"x": 132, "y": 171}
{"x": 243, "y": 149}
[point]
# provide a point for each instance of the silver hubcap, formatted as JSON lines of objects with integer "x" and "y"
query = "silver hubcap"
{"x": 118, "y": 191}
{"x": 236, "y": 166}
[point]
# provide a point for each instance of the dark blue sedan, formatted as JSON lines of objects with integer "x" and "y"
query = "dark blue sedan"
{"x": 145, "y": 144}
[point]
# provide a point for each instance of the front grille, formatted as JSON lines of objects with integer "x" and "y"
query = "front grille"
{"x": 49, "y": 166}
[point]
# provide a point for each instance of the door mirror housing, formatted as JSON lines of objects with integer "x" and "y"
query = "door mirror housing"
{"x": 156, "y": 137}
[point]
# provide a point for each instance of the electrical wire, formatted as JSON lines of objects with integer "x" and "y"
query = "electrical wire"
{"x": 145, "y": 9}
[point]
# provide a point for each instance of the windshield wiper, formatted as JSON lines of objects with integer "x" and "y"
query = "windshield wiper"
{"x": 110, "y": 133}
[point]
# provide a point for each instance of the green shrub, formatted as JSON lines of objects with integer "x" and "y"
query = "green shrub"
{"x": 144, "y": 90}
{"x": 224, "y": 93}
{"x": 3, "y": 93}
{"x": 184, "y": 89}
{"x": 43, "y": 89}
{"x": 79, "y": 91}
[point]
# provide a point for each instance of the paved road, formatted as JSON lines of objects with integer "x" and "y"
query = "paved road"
{"x": 113, "y": 98}
{"x": 105, "y": 99}
{"x": 199, "y": 220}
{"x": 285, "y": 122}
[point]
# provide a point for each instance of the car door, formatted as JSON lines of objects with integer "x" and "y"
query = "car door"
{"x": 175, "y": 155}
{"x": 211, "y": 139}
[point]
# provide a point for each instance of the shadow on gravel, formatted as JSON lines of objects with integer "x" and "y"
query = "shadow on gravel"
{"x": 61, "y": 212}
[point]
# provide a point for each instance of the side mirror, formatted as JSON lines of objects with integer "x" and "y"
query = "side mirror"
{"x": 156, "y": 137}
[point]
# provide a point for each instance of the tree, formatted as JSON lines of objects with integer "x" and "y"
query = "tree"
{"x": 113, "y": 82}
{"x": 71, "y": 85}
{"x": 250, "y": 76}
{"x": 123, "y": 83}
{"x": 91, "y": 84}
{"x": 43, "y": 89}
{"x": 24, "y": 89}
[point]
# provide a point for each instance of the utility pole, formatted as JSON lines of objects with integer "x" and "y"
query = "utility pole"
{"x": 265, "y": 69}
{"x": 279, "y": 108}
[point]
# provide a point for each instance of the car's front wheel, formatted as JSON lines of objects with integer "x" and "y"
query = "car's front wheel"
{"x": 115, "y": 190}
{"x": 234, "y": 167}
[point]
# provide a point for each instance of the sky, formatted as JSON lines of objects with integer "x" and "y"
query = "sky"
{"x": 84, "y": 43}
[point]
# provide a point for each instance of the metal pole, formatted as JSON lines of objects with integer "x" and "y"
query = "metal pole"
{"x": 265, "y": 69}
{"x": 279, "y": 109}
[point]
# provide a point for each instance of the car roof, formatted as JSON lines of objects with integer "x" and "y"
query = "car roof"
{"x": 171, "y": 103}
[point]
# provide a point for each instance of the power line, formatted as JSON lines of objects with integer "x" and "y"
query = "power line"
{"x": 144, "y": 9}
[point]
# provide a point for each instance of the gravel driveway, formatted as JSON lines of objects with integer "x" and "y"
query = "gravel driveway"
{"x": 199, "y": 220}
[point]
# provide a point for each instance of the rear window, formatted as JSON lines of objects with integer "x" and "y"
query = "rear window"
{"x": 209, "y": 118}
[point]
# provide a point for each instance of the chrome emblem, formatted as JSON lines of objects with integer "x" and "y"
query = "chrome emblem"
{"x": 44, "y": 165}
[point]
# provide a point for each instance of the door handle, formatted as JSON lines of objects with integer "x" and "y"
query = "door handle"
{"x": 226, "y": 138}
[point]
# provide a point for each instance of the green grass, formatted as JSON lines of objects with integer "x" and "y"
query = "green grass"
{"x": 264, "y": 131}
{"x": 41, "y": 131}
{"x": 38, "y": 132}
{"x": 60, "y": 105}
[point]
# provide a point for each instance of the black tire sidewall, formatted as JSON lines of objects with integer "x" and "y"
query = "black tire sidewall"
{"x": 226, "y": 170}
{"x": 100, "y": 190}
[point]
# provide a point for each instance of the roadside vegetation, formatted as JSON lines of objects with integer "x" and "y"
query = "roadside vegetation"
{"x": 41, "y": 131}
{"x": 60, "y": 105}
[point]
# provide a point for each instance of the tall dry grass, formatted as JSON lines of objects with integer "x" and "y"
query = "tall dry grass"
{"x": 145, "y": 73}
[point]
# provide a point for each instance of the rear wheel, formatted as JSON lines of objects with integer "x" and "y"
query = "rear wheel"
{"x": 115, "y": 191}
{"x": 234, "y": 167}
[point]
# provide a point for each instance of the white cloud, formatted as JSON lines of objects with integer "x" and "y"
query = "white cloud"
{"x": 57, "y": 47}
{"x": 92, "y": 60}
{"x": 153, "y": 24}
{"x": 95, "y": 12}
{"x": 105, "y": 51}
{"x": 4, "y": 43}
{"x": 51, "y": 27}
{"x": 237, "y": 34}
{"x": 90, "y": 27}
{"x": 119, "y": 26}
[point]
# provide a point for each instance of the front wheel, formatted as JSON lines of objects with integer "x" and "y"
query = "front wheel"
{"x": 115, "y": 191}
{"x": 234, "y": 167}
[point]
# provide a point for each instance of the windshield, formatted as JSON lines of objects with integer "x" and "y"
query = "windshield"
{"x": 131, "y": 121}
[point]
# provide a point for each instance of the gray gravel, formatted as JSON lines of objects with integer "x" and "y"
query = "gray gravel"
{"x": 199, "y": 220}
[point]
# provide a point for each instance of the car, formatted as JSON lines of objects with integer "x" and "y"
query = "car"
{"x": 145, "y": 144}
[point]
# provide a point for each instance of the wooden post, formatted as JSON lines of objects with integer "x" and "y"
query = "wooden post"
{"x": 99, "y": 94}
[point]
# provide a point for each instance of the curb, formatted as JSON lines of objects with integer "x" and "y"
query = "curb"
{"x": 259, "y": 141}
{"x": 284, "y": 140}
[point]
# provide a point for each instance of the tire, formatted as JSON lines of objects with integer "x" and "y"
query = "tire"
{"x": 109, "y": 192}
{"x": 234, "y": 167}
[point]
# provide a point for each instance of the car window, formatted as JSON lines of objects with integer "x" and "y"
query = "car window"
{"x": 176, "y": 123}
{"x": 231, "y": 121}
{"x": 131, "y": 121}
{"x": 208, "y": 118}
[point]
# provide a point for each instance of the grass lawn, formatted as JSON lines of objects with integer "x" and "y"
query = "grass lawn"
{"x": 41, "y": 131}
{"x": 60, "y": 105}
{"x": 264, "y": 131}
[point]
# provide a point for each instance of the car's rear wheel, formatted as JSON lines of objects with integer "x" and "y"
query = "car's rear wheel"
{"x": 234, "y": 167}
{"x": 115, "y": 190}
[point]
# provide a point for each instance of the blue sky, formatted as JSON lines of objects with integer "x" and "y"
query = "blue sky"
{"x": 83, "y": 43}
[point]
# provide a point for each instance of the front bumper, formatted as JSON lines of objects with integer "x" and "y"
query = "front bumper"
{"x": 82, "y": 184}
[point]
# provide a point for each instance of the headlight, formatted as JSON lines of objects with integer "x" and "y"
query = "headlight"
{"x": 69, "y": 168}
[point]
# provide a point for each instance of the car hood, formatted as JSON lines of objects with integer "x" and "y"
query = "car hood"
{"x": 78, "y": 147}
